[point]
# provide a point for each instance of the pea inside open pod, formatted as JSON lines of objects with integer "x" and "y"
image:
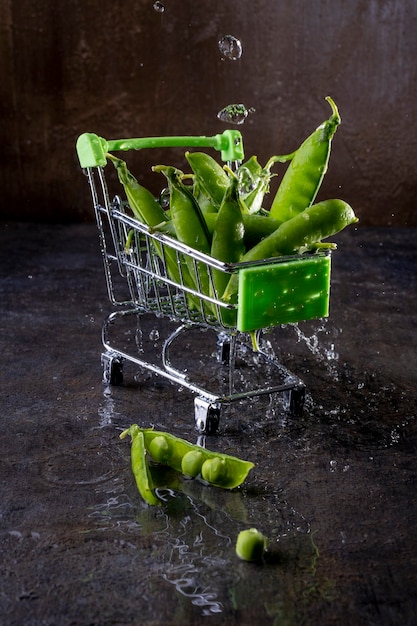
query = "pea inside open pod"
{"x": 160, "y": 449}
{"x": 192, "y": 462}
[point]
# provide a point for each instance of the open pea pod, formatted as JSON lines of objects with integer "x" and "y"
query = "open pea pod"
{"x": 216, "y": 468}
{"x": 140, "y": 467}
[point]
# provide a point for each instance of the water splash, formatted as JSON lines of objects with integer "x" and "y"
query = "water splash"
{"x": 234, "y": 113}
{"x": 154, "y": 335}
{"x": 247, "y": 183}
{"x": 230, "y": 47}
{"x": 328, "y": 356}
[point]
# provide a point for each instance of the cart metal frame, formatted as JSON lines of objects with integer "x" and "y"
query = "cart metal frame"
{"x": 137, "y": 255}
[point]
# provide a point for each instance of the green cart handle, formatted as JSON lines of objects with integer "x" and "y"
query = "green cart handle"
{"x": 92, "y": 149}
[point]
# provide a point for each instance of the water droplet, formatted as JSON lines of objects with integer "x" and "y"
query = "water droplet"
{"x": 234, "y": 113}
{"x": 164, "y": 198}
{"x": 154, "y": 335}
{"x": 230, "y": 47}
{"x": 246, "y": 182}
{"x": 159, "y": 7}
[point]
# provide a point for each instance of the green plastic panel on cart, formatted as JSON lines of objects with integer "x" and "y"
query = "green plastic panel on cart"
{"x": 283, "y": 293}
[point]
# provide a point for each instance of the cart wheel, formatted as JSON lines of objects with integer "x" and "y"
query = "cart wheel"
{"x": 112, "y": 369}
{"x": 207, "y": 416}
{"x": 296, "y": 399}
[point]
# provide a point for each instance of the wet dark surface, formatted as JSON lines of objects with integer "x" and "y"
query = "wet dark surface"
{"x": 334, "y": 489}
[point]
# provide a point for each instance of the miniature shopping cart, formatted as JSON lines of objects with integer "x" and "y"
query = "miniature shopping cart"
{"x": 271, "y": 293}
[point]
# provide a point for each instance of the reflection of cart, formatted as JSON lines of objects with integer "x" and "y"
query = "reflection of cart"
{"x": 272, "y": 292}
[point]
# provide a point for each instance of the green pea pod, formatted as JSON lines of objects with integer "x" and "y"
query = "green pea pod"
{"x": 315, "y": 223}
{"x": 140, "y": 467}
{"x": 147, "y": 210}
{"x": 186, "y": 215}
{"x": 190, "y": 226}
{"x": 210, "y": 176}
{"x": 204, "y": 201}
{"x": 235, "y": 470}
{"x": 305, "y": 173}
{"x": 227, "y": 244}
{"x": 256, "y": 226}
{"x": 143, "y": 204}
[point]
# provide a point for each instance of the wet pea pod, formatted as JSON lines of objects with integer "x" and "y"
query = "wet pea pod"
{"x": 147, "y": 210}
{"x": 301, "y": 182}
{"x": 210, "y": 176}
{"x": 256, "y": 226}
{"x": 228, "y": 235}
{"x": 254, "y": 180}
{"x": 190, "y": 228}
{"x": 140, "y": 466}
{"x": 144, "y": 205}
{"x": 319, "y": 221}
{"x": 216, "y": 468}
{"x": 188, "y": 220}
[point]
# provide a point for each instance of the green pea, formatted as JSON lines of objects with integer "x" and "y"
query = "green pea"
{"x": 214, "y": 471}
{"x": 251, "y": 545}
{"x": 160, "y": 449}
{"x": 191, "y": 463}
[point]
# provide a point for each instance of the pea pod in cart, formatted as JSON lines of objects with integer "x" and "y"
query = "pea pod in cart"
{"x": 301, "y": 182}
{"x": 148, "y": 211}
{"x": 228, "y": 241}
{"x": 209, "y": 175}
{"x": 319, "y": 221}
{"x": 189, "y": 224}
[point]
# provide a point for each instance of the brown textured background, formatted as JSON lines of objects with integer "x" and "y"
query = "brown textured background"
{"x": 122, "y": 69}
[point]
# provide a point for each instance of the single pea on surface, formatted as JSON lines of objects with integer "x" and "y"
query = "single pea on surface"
{"x": 251, "y": 545}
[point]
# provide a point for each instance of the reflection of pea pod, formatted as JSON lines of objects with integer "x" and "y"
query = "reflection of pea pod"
{"x": 304, "y": 175}
{"x": 171, "y": 450}
{"x": 230, "y": 502}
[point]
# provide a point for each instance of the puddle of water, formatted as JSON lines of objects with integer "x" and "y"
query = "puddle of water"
{"x": 193, "y": 534}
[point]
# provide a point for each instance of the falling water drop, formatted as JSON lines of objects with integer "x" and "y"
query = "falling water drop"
{"x": 158, "y": 6}
{"x": 154, "y": 335}
{"x": 234, "y": 113}
{"x": 164, "y": 198}
{"x": 230, "y": 47}
{"x": 246, "y": 181}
